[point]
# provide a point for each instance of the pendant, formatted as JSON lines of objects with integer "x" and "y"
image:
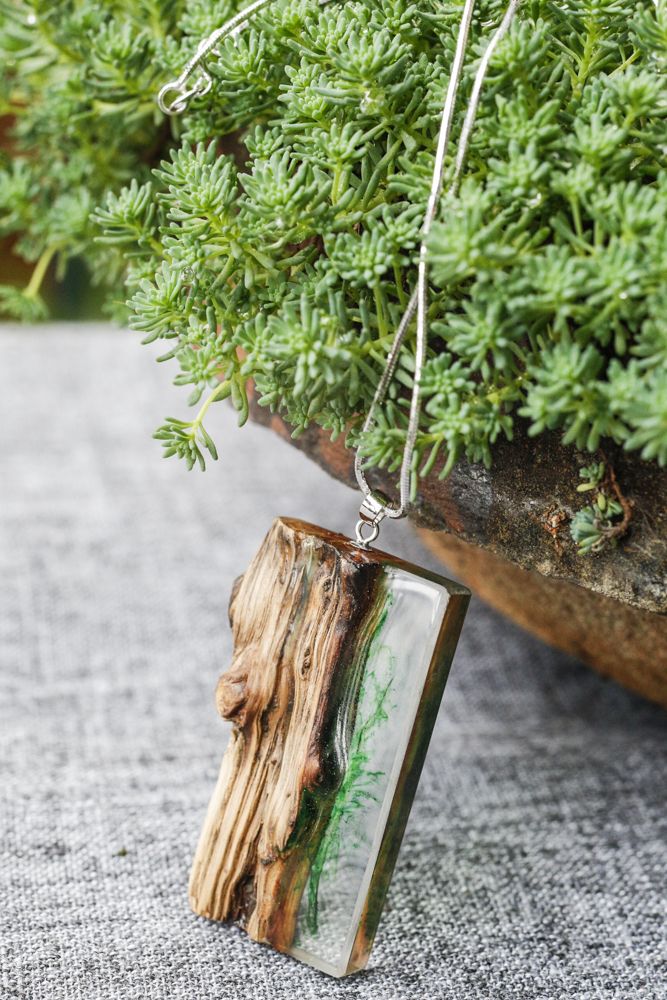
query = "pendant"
{"x": 341, "y": 654}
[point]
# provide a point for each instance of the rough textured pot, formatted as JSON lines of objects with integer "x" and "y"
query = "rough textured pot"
{"x": 491, "y": 527}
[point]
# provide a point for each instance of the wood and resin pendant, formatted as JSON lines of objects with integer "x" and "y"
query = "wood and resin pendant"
{"x": 341, "y": 654}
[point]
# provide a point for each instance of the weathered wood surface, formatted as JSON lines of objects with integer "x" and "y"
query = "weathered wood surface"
{"x": 340, "y": 660}
{"x": 302, "y": 607}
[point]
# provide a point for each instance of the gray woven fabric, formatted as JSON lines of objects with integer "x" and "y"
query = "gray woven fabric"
{"x": 533, "y": 867}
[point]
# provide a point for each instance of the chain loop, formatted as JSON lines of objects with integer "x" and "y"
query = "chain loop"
{"x": 364, "y": 541}
{"x": 181, "y": 86}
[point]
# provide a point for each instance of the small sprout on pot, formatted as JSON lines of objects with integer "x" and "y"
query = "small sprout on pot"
{"x": 607, "y": 517}
{"x": 591, "y": 475}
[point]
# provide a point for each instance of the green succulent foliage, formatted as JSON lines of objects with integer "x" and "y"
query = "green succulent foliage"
{"x": 271, "y": 233}
{"x": 592, "y": 527}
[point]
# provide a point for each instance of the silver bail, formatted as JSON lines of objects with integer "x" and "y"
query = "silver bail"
{"x": 372, "y": 511}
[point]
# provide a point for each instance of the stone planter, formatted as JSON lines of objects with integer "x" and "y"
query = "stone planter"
{"x": 491, "y": 527}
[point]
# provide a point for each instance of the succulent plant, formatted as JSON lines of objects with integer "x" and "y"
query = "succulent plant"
{"x": 269, "y": 235}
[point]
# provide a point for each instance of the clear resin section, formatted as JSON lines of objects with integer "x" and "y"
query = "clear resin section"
{"x": 388, "y": 699}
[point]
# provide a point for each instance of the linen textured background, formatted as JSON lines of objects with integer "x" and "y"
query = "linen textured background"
{"x": 533, "y": 867}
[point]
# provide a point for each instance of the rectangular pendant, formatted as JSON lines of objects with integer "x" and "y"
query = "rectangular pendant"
{"x": 340, "y": 659}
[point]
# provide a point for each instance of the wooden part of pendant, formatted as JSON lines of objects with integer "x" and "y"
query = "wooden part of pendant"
{"x": 340, "y": 658}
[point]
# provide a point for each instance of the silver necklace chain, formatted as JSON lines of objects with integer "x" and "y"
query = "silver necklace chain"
{"x": 375, "y": 507}
{"x": 196, "y": 81}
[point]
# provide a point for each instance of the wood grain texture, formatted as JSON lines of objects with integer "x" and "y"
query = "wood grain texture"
{"x": 340, "y": 659}
{"x": 307, "y": 603}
